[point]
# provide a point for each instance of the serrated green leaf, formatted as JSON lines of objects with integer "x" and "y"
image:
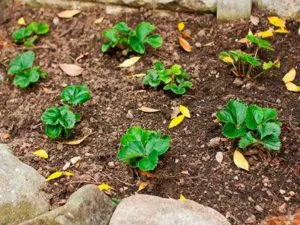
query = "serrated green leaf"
{"x": 122, "y": 27}
{"x": 260, "y": 42}
{"x": 225, "y": 116}
{"x": 272, "y": 142}
{"x": 21, "y": 80}
{"x": 155, "y": 41}
{"x": 142, "y": 147}
{"x": 247, "y": 140}
{"x": 137, "y": 45}
{"x": 238, "y": 110}
{"x": 75, "y": 94}
{"x": 231, "y": 131}
{"x": 53, "y": 132}
{"x": 143, "y": 29}
{"x": 148, "y": 163}
{"x": 22, "y": 62}
{"x": 254, "y": 117}
{"x": 269, "y": 128}
{"x": 269, "y": 114}
{"x": 21, "y": 34}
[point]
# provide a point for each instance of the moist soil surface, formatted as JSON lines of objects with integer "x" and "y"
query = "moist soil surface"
{"x": 189, "y": 167}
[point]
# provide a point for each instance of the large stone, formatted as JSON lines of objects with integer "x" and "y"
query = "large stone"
{"x": 152, "y": 210}
{"x": 228, "y": 10}
{"x": 21, "y": 197}
{"x": 283, "y": 8}
{"x": 87, "y": 206}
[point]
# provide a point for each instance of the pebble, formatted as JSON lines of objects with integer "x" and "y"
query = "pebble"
{"x": 251, "y": 219}
{"x": 259, "y": 208}
{"x": 129, "y": 114}
{"x": 238, "y": 82}
{"x": 282, "y": 208}
{"x": 214, "y": 142}
{"x": 198, "y": 45}
{"x": 219, "y": 157}
{"x": 55, "y": 21}
{"x": 111, "y": 164}
{"x": 201, "y": 33}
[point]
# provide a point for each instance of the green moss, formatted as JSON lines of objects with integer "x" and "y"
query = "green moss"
{"x": 12, "y": 214}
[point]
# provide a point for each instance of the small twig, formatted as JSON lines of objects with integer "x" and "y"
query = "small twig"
{"x": 37, "y": 47}
{"x": 81, "y": 181}
{"x": 67, "y": 31}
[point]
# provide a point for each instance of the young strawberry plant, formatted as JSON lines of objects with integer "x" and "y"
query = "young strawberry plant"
{"x": 124, "y": 37}
{"x": 243, "y": 62}
{"x": 59, "y": 121}
{"x": 141, "y": 148}
{"x": 252, "y": 125}
{"x": 29, "y": 35}
{"x": 21, "y": 67}
{"x": 174, "y": 79}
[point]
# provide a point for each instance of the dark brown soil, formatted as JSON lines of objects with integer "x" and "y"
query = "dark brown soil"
{"x": 189, "y": 167}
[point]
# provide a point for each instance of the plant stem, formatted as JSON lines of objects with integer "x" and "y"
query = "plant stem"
{"x": 251, "y": 67}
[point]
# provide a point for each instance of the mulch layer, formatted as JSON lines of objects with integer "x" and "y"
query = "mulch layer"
{"x": 189, "y": 167}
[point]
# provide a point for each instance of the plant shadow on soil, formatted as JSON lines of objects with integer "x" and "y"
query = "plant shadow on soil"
{"x": 189, "y": 167}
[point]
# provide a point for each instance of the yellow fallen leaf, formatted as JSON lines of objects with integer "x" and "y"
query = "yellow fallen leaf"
{"x": 58, "y": 174}
{"x": 176, "y": 121}
{"x": 289, "y": 76}
{"x": 281, "y": 30}
{"x": 185, "y": 44}
{"x": 76, "y": 142}
{"x": 66, "y": 173}
{"x": 181, "y": 26}
{"x": 68, "y": 13}
{"x": 276, "y": 21}
{"x": 97, "y": 21}
{"x": 265, "y": 34}
{"x": 142, "y": 185}
{"x": 182, "y": 198}
{"x": 22, "y": 21}
{"x": 240, "y": 161}
{"x": 185, "y": 111}
{"x": 227, "y": 59}
{"x": 148, "y": 110}
{"x": 292, "y": 87}
{"x": 105, "y": 187}
{"x": 130, "y": 62}
{"x": 41, "y": 153}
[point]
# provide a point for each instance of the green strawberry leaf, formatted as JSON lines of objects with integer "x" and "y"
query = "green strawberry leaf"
{"x": 21, "y": 34}
{"x": 254, "y": 117}
{"x": 21, "y": 80}
{"x": 247, "y": 140}
{"x": 260, "y": 42}
{"x": 148, "y": 163}
{"x": 53, "y": 132}
{"x": 137, "y": 45}
{"x": 231, "y": 131}
{"x": 272, "y": 142}
{"x": 75, "y": 94}
{"x": 143, "y": 29}
{"x": 155, "y": 40}
{"x": 122, "y": 27}
{"x": 22, "y": 62}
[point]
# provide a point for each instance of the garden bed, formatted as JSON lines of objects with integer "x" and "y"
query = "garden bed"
{"x": 189, "y": 167}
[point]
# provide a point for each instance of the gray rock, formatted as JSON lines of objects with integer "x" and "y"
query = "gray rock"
{"x": 228, "y": 10}
{"x": 285, "y": 9}
{"x": 21, "y": 197}
{"x": 152, "y": 210}
{"x": 87, "y": 206}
